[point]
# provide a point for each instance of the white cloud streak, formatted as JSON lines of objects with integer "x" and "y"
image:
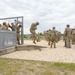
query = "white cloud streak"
{"x": 48, "y": 12}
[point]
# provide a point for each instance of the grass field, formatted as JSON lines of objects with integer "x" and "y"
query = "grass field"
{"x": 29, "y": 67}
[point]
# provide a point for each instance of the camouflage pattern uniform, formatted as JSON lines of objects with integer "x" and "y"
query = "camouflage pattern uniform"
{"x": 47, "y": 36}
{"x": 58, "y": 36}
{"x": 53, "y": 37}
{"x": 32, "y": 30}
{"x": 0, "y": 27}
{"x": 73, "y": 36}
{"x": 5, "y": 26}
{"x": 68, "y": 36}
{"x": 12, "y": 27}
{"x": 18, "y": 33}
{"x": 64, "y": 39}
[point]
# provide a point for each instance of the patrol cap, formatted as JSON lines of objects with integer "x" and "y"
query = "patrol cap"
{"x": 4, "y": 23}
{"x": 37, "y": 23}
{"x": 53, "y": 27}
{"x": 67, "y": 25}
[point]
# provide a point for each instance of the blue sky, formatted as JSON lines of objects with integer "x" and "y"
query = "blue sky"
{"x": 48, "y": 13}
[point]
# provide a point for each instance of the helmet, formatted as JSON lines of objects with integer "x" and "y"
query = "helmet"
{"x": 4, "y": 23}
{"x": 53, "y": 27}
{"x": 67, "y": 25}
{"x": 37, "y": 23}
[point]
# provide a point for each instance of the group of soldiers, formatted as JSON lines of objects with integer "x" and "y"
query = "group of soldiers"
{"x": 11, "y": 27}
{"x": 53, "y": 36}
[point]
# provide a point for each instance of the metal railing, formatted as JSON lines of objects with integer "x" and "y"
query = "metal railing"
{"x": 7, "y": 39}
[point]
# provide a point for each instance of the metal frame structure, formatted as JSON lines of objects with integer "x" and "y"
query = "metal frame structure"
{"x": 16, "y": 20}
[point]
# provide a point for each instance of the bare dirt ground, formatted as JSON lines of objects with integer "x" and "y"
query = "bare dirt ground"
{"x": 59, "y": 54}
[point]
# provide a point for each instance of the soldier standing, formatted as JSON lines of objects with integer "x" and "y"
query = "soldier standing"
{"x": 32, "y": 30}
{"x": 18, "y": 33}
{"x": 53, "y": 37}
{"x": 5, "y": 26}
{"x": 73, "y": 36}
{"x": 47, "y": 36}
{"x": 68, "y": 36}
{"x": 12, "y": 27}
{"x": 0, "y": 27}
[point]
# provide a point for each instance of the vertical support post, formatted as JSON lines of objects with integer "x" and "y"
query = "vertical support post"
{"x": 16, "y": 30}
{"x": 22, "y": 36}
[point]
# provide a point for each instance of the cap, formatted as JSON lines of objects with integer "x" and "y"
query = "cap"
{"x": 37, "y": 23}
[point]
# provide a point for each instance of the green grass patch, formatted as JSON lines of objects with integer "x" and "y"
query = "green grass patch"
{"x": 29, "y": 67}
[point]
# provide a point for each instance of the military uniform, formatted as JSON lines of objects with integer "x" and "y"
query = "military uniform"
{"x": 32, "y": 30}
{"x": 5, "y": 26}
{"x": 53, "y": 37}
{"x": 73, "y": 36}
{"x": 18, "y": 33}
{"x": 0, "y": 27}
{"x": 12, "y": 27}
{"x": 47, "y": 36}
{"x": 68, "y": 36}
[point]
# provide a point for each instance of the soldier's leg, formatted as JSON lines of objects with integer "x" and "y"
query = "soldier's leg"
{"x": 54, "y": 44}
{"x": 70, "y": 41}
{"x": 34, "y": 38}
{"x": 51, "y": 44}
{"x": 18, "y": 41}
{"x": 38, "y": 37}
{"x": 64, "y": 43}
{"x": 67, "y": 43}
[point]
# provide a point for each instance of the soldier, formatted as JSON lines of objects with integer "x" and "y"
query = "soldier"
{"x": 47, "y": 36}
{"x": 68, "y": 36}
{"x": 73, "y": 36}
{"x": 12, "y": 27}
{"x": 64, "y": 39}
{"x": 18, "y": 33}
{"x": 32, "y": 30}
{"x": 53, "y": 37}
{"x": 58, "y": 36}
{"x": 0, "y": 27}
{"x": 5, "y": 26}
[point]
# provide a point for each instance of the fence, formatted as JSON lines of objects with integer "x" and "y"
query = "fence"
{"x": 7, "y": 39}
{"x": 19, "y": 20}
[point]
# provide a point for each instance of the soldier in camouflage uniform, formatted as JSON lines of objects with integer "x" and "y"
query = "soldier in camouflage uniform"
{"x": 5, "y": 26}
{"x": 18, "y": 33}
{"x": 68, "y": 36}
{"x": 58, "y": 36}
{"x": 0, "y": 27}
{"x": 73, "y": 36}
{"x": 32, "y": 30}
{"x": 64, "y": 39}
{"x": 47, "y": 36}
{"x": 12, "y": 26}
{"x": 53, "y": 37}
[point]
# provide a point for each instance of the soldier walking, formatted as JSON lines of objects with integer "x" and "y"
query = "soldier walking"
{"x": 68, "y": 36}
{"x": 53, "y": 37}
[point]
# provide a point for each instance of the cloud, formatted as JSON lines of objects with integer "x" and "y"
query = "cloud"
{"x": 48, "y": 12}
